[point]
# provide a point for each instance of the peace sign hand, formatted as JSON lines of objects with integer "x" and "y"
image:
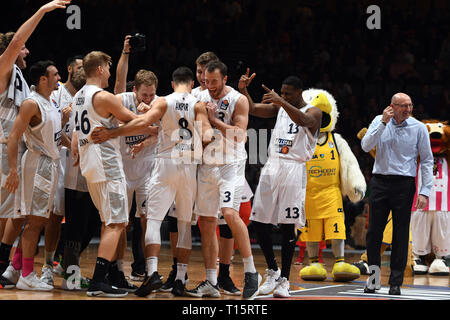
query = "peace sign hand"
{"x": 245, "y": 80}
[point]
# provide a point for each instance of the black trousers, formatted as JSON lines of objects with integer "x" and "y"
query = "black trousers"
{"x": 396, "y": 194}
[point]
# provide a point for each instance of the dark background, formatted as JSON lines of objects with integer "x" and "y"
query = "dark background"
{"x": 326, "y": 43}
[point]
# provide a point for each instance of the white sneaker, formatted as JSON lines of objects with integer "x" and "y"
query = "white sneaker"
{"x": 58, "y": 270}
{"x": 270, "y": 281}
{"x": 33, "y": 283}
{"x": 282, "y": 289}
{"x": 205, "y": 289}
{"x": 47, "y": 275}
{"x": 11, "y": 274}
{"x": 439, "y": 268}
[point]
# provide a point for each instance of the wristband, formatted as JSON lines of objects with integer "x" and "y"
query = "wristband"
{"x": 123, "y": 52}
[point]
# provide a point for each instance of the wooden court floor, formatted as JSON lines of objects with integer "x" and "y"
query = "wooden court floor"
{"x": 196, "y": 274}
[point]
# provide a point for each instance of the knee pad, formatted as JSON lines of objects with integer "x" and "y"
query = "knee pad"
{"x": 184, "y": 235}
{"x": 225, "y": 231}
{"x": 172, "y": 224}
{"x": 337, "y": 246}
{"x": 153, "y": 232}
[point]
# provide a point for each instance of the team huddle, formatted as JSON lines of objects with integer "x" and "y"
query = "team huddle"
{"x": 72, "y": 146}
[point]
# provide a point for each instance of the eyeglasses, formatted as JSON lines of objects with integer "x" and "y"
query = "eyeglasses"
{"x": 406, "y": 105}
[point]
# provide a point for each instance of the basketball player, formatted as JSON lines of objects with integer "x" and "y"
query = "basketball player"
{"x": 280, "y": 195}
{"x": 101, "y": 164}
{"x": 221, "y": 179}
{"x": 62, "y": 100}
{"x": 200, "y": 63}
{"x": 137, "y": 167}
{"x": 174, "y": 179}
{"x": 14, "y": 89}
{"x": 40, "y": 122}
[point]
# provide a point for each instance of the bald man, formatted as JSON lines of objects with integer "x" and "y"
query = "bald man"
{"x": 399, "y": 140}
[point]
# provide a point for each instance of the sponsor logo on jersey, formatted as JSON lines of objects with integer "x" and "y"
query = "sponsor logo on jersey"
{"x": 182, "y": 106}
{"x": 283, "y": 142}
{"x": 57, "y": 137}
{"x": 184, "y": 147}
{"x": 224, "y": 105}
{"x": 54, "y": 102}
{"x": 83, "y": 142}
{"x": 132, "y": 140}
{"x": 318, "y": 171}
{"x": 284, "y": 149}
{"x": 80, "y": 101}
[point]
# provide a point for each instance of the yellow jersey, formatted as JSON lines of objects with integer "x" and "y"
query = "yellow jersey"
{"x": 323, "y": 193}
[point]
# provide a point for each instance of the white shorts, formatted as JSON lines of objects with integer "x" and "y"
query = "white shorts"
{"x": 141, "y": 194}
{"x": 59, "y": 203}
{"x": 9, "y": 202}
{"x": 110, "y": 199}
{"x": 280, "y": 195}
{"x": 39, "y": 182}
{"x": 171, "y": 182}
{"x": 219, "y": 186}
{"x": 430, "y": 232}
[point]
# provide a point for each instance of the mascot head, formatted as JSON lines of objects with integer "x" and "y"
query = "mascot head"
{"x": 324, "y": 101}
{"x": 439, "y": 136}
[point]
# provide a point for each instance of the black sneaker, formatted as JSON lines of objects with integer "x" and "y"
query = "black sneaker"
{"x": 251, "y": 285}
{"x": 103, "y": 289}
{"x": 362, "y": 266}
{"x": 168, "y": 285}
{"x": 118, "y": 280}
{"x": 150, "y": 283}
{"x": 6, "y": 284}
{"x": 179, "y": 288}
{"x": 226, "y": 284}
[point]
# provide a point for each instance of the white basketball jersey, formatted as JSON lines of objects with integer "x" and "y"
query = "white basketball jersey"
{"x": 61, "y": 98}
{"x": 178, "y": 138}
{"x": 10, "y": 101}
{"x": 45, "y": 138}
{"x": 196, "y": 92}
{"x": 439, "y": 198}
{"x": 223, "y": 149}
{"x": 290, "y": 141}
{"x": 98, "y": 162}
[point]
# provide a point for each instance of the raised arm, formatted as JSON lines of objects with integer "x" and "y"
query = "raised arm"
{"x": 122, "y": 68}
{"x": 141, "y": 124}
{"x": 8, "y": 58}
{"x": 261, "y": 110}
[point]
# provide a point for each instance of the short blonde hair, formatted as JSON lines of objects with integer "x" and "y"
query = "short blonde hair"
{"x": 206, "y": 57}
{"x": 5, "y": 39}
{"x": 93, "y": 60}
{"x": 145, "y": 77}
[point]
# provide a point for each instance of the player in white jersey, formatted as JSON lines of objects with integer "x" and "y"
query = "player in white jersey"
{"x": 200, "y": 63}
{"x": 61, "y": 99}
{"x": 40, "y": 122}
{"x": 221, "y": 178}
{"x": 101, "y": 164}
{"x": 179, "y": 151}
{"x": 13, "y": 90}
{"x": 280, "y": 195}
{"x": 137, "y": 167}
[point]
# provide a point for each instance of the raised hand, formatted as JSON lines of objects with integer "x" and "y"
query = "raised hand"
{"x": 245, "y": 80}
{"x": 56, "y": 4}
{"x": 388, "y": 113}
{"x": 271, "y": 97}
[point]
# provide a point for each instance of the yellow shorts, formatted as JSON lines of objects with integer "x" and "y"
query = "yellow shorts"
{"x": 317, "y": 230}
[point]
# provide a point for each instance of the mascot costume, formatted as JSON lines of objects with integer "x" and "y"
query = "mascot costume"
{"x": 430, "y": 227}
{"x": 333, "y": 172}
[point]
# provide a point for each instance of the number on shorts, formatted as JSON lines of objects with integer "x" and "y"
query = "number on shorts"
{"x": 336, "y": 228}
{"x": 184, "y": 132}
{"x": 295, "y": 213}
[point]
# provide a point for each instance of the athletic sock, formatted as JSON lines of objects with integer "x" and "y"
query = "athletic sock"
{"x": 101, "y": 270}
{"x": 211, "y": 276}
{"x": 181, "y": 272}
{"x": 224, "y": 270}
{"x": 249, "y": 265}
{"x": 17, "y": 259}
{"x": 152, "y": 265}
{"x": 27, "y": 266}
